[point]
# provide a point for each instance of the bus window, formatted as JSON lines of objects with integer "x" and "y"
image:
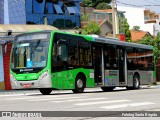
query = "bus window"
{"x": 131, "y": 59}
{"x": 106, "y": 57}
{"x": 85, "y": 54}
{"x": 149, "y": 60}
{"x": 59, "y": 57}
{"x": 73, "y": 53}
{"x": 141, "y": 62}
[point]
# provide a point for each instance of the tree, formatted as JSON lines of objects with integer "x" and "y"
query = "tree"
{"x": 97, "y": 2}
{"x": 136, "y": 28}
{"x": 103, "y": 6}
{"x": 157, "y": 46}
{"x": 87, "y": 3}
{"x": 147, "y": 40}
{"x": 94, "y": 3}
{"x": 124, "y": 28}
{"x": 91, "y": 28}
{"x": 155, "y": 42}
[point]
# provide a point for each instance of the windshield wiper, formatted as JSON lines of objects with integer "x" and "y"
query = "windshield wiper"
{"x": 38, "y": 42}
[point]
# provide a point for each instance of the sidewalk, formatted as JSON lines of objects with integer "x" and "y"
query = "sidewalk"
{"x": 157, "y": 85}
{"x": 19, "y": 92}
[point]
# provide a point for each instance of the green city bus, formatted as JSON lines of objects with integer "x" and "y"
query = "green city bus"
{"x": 48, "y": 60}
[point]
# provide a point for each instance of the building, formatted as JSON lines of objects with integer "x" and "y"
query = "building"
{"x": 59, "y": 13}
{"x": 5, "y": 48}
{"x": 147, "y": 20}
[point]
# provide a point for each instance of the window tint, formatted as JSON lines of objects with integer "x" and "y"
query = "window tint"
{"x": 140, "y": 59}
{"x": 149, "y": 60}
{"x": 59, "y": 57}
{"x": 131, "y": 59}
{"x": 110, "y": 57}
{"x": 85, "y": 54}
{"x": 73, "y": 52}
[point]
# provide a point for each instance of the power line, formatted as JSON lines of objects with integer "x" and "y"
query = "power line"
{"x": 149, "y": 2}
{"x": 135, "y": 5}
{"x": 156, "y": 1}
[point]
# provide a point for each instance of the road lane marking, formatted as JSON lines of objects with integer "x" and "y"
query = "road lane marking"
{"x": 85, "y": 99}
{"x": 40, "y": 97}
{"x": 101, "y": 102}
{"x": 56, "y": 98}
{"x": 127, "y": 105}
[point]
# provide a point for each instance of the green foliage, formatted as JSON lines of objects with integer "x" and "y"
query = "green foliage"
{"x": 147, "y": 40}
{"x": 103, "y": 6}
{"x": 87, "y": 3}
{"x": 94, "y": 3}
{"x": 136, "y": 28}
{"x": 157, "y": 46}
{"x": 155, "y": 42}
{"x": 124, "y": 28}
{"x": 91, "y": 28}
{"x": 84, "y": 17}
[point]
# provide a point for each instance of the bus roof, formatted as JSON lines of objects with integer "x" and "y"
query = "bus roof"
{"x": 100, "y": 39}
{"x": 118, "y": 42}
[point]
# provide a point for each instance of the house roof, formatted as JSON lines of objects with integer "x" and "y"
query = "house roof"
{"x": 138, "y": 35}
{"x": 103, "y": 11}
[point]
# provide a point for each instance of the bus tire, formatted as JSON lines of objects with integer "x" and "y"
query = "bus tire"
{"x": 107, "y": 89}
{"x": 79, "y": 84}
{"x": 136, "y": 82}
{"x": 45, "y": 91}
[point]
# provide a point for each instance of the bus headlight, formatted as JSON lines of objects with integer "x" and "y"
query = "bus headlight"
{"x": 12, "y": 77}
{"x": 43, "y": 75}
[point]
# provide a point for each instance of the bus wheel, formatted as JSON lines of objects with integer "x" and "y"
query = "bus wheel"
{"x": 79, "y": 84}
{"x": 45, "y": 91}
{"x": 107, "y": 89}
{"x": 136, "y": 82}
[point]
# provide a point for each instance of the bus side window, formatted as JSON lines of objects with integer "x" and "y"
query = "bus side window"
{"x": 106, "y": 57}
{"x": 85, "y": 54}
{"x": 73, "y": 52}
{"x": 59, "y": 57}
{"x": 113, "y": 57}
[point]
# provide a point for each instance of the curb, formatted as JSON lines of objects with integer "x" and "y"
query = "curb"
{"x": 20, "y": 92}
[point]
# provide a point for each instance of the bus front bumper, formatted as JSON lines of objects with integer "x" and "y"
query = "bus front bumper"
{"x": 40, "y": 83}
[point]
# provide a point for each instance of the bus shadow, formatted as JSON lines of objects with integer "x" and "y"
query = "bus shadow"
{"x": 69, "y": 93}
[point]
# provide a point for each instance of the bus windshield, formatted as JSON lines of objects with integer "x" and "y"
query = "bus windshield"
{"x": 30, "y": 54}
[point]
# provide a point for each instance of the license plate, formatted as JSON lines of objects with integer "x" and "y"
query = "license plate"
{"x": 26, "y": 85}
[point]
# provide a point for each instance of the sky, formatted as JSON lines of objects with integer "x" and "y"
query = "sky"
{"x": 153, "y": 5}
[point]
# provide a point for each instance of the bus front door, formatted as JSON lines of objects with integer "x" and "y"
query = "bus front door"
{"x": 97, "y": 58}
{"x": 122, "y": 67}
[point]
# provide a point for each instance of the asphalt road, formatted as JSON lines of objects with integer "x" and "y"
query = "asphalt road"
{"x": 93, "y": 99}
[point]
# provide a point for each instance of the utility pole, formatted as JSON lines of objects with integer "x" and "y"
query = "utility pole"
{"x": 45, "y": 20}
{"x": 113, "y": 19}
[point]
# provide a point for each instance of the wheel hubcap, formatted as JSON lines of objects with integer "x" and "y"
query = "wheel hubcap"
{"x": 136, "y": 83}
{"x": 79, "y": 83}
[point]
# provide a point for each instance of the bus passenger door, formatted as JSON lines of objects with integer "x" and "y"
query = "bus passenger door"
{"x": 122, "y": 66}
{"x": 98, "y": 60}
